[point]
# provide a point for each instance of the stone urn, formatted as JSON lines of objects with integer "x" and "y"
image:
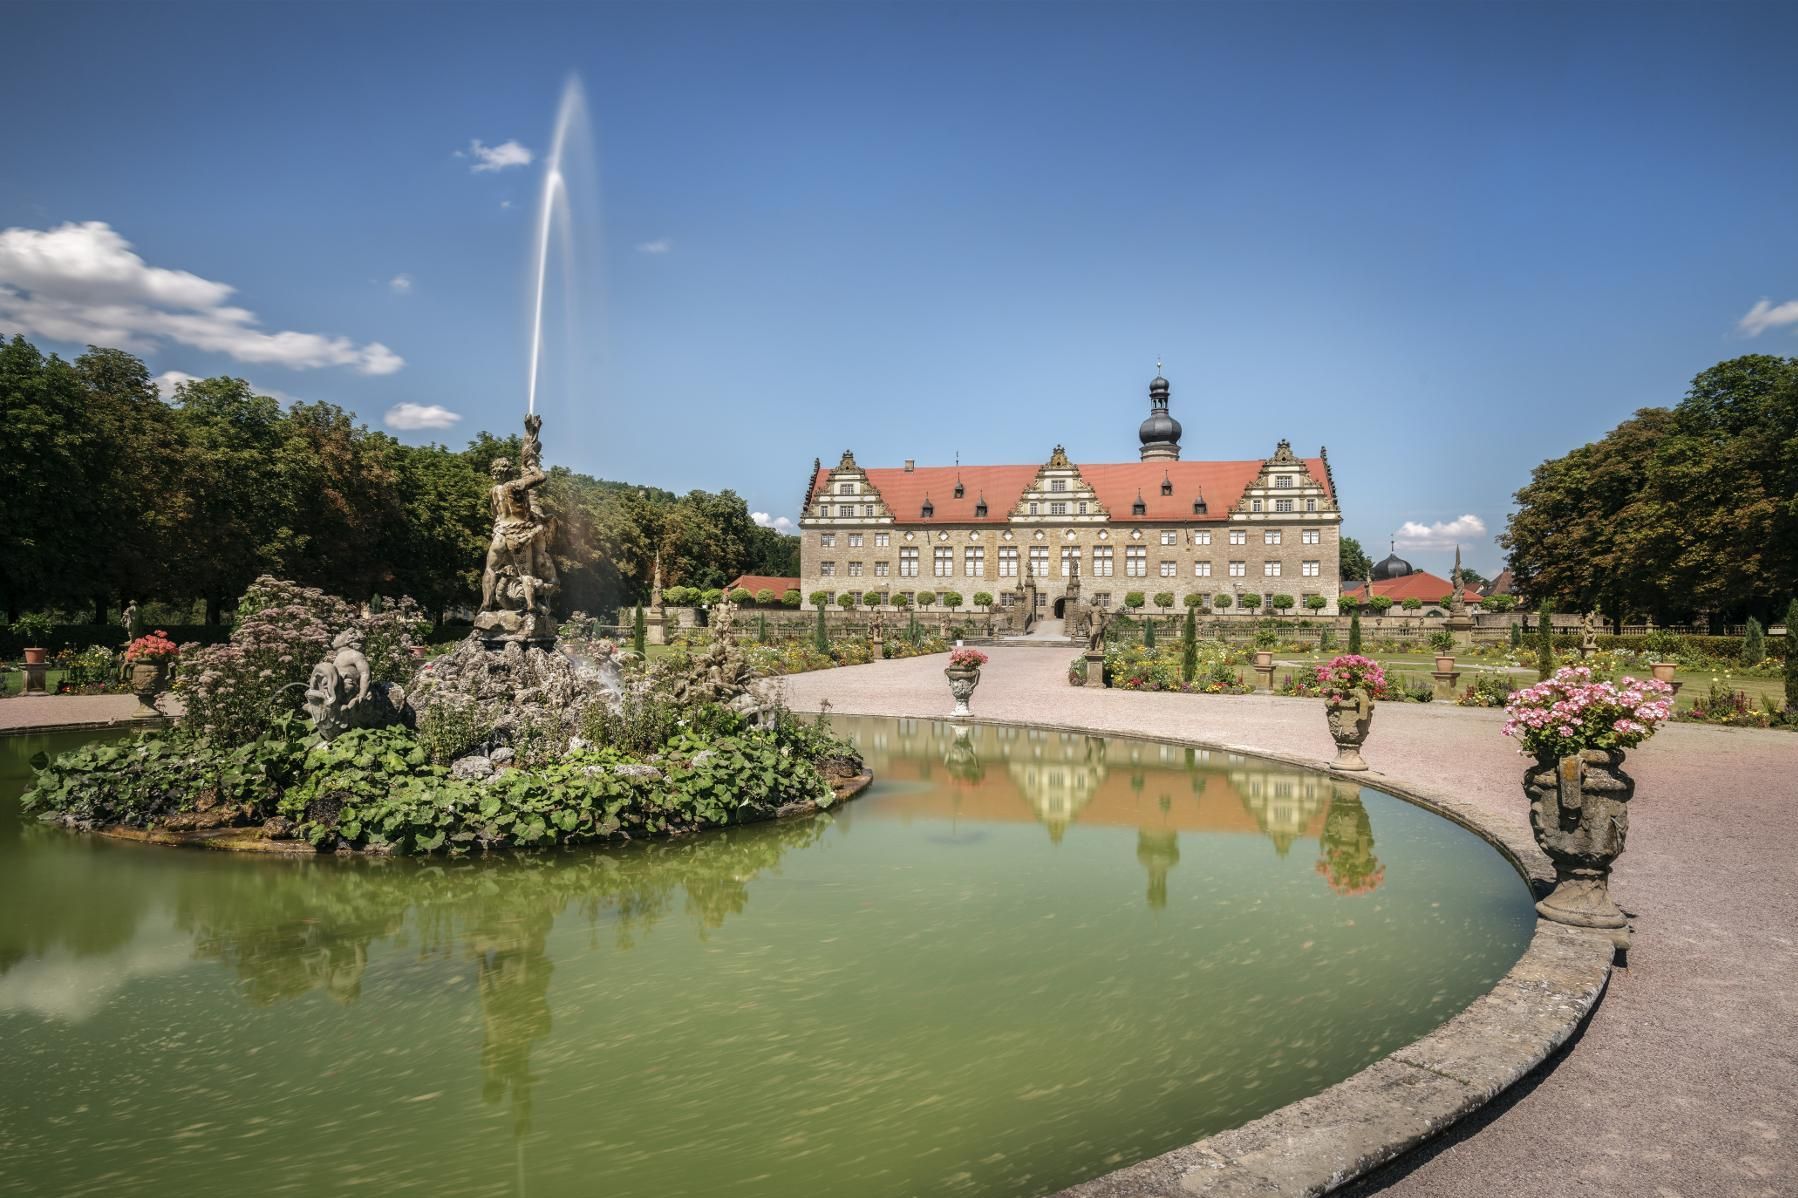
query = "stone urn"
{"x": 962, "y": 681}
{"x": 149, "y": 679}
{"x": 1578, "y": 813}
{"x": 1350, "y": 718}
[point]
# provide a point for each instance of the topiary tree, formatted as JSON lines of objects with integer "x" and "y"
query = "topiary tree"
{"x": 953, "y": 600}
{"x": 1754, "y": 643}
{"x": 1222, "y": 601}
{"x": 1134, "y": 600}
{"x": 819, "y": 599}
{"x": 1354, "y": 645}
{"x": 1409, "y": 605}
{"x": 901, "y": 601}
{"x": 1498, "y": 603}
{"x": 1194, "y": 600}
{"x": 1545, "y": 641}
{"x": 1283, "y": 602}
{"x": 761, "y": 628}
{"x": 741, "y": 596}
{"x": 710, "y": 596}
{"x": 1516, "y": 636}
{"x": 847, "y": 600}
{"x": 1164, "y": 599}
{"x": 1349, "y": 604}
{"x": 1189, "y": 645}
{"x": 764, "y": 597}
{"x": 1251, "y": 601}
{"x": 926, "y": 598}
{"x": 1326, "y": 639}
{"x": 790, "y": 599}
{"x": 983, "y": 599}
{"x": 1381, "y": 604}
{"x": 640, "y": 633}
{"x": 820, "y": 635}
{"x": 1148, "y": 634}
{"x": 1792, "y": 661}
{"x": 1316, "y": 602}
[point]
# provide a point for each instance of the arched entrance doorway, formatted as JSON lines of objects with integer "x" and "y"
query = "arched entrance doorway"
{"x": 1061, "y": 607}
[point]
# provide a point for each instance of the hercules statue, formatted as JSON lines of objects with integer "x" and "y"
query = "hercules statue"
{"x": 520, "y": 578}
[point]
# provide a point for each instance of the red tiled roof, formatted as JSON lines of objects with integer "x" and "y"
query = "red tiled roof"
{"x": 764, "y": 582}
{"x": 1418, "y": 585}
{"x": 1116, "y": 485}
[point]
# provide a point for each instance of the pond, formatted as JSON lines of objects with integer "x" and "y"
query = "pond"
{"x": 1022, "y": 959}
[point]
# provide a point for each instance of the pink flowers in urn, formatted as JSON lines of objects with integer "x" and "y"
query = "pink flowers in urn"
{"x": 1570, "y": 712}
{"x": 153, "y": 647}
{"x": 966, "y": 659}
{"x": 1348, "y": 673}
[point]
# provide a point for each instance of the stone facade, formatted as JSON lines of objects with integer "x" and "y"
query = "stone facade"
{"x": 1268, "y": 527}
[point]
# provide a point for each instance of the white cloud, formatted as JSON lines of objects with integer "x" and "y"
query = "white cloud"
{"x": 497, "y": 158}
{"x": 777, "y": 523}
{"x": 1442, "y": 534}
{"x": 400, "y": 284}
{"x": 82, "y": 283}
{"x": 168, "y": 380}
{"x": 408, "y": 416}
{"x": 660, "y": 245}
{"x": 1766, "y": 315}
{"x": 505, "y": 203}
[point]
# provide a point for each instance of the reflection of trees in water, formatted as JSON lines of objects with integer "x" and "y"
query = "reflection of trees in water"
{"x": 1345, "y": 849}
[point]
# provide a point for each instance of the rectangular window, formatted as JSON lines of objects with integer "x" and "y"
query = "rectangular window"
{"x": 1309, "y": 536}
{"x": 827, "y": 569}
{"x": 855, "y": 569}
{"x": 944, "y": 561}
{"x": 973, "y": 561}
{"x": 1169, "y": 537}
{"x": 1007, "y": 599}
{"x": 1058, "y": 484}
{"x": 1102, "y": 598}
{"x": 880, "y": 569}
{"x": 1102, "y": 561}
{"x": 1239, "y": 569}
{"x": 880, "y": 540}
{"x": 845, "y": 488}
{"x": 1282, "y": 505}
{"x": 1039, "y": 560}
{"x": 1033, "y": 509}
{"x": 1008, "y": 561}
{"x": 855, "y": 540}
{"x": 1254, "y": 505}
{"x": 1136, "y": 561}
{"x": 1058, "y": 509}
{"x": 1167, "y": 569}
{"x": 1270, "y": 536}
{"x": 845, "y": 509}
{"x": 827, "y": 540}
{"x": 1311, "y": 505}
{"x": 1270, "y": 569}
{"x": 908, "y": 563}
{"x": 1239, "y": 536}
{"x": 1070, "y": 560}
{"x": 1201, "y": 538}
{"x": 1083, "y": 507}
{"x": 1309, "y": 569}
{"x": 1283, "y": 480}
{"x": 1201, "y": 569}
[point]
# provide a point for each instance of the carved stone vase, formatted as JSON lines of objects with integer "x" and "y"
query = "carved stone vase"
{"x": 1349, "y": 719}
{"x": 1578, "y": 813}
{"x": 962, "y": 681}
{"x": 149, "y": 679}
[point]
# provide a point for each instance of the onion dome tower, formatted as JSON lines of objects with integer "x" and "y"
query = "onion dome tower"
{"x": 1160, "y": 433}
{"x": 1391, "y": 566}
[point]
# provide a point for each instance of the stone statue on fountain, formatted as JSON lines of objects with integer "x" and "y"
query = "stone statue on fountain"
{"x": 520, "y": 577}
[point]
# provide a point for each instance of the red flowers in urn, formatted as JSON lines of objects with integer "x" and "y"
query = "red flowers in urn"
{"x": 153, "y": 647}
{"x": 149, "y": 658}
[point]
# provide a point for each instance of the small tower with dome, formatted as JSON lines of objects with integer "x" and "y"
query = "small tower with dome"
{"x": 1160, "y": 433}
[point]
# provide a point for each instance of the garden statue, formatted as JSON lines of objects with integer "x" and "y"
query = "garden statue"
{"x": 720, "y": 673}
{"x": 128, "y": 618}
{"x": 520, "y": 576}
{"x": 1095, "y": 630}
{"x": 1457, "y": 593}
{"x": 655, "y": 584}
{"x": 340, "y": 695}
{"x": 1029, "y": 597}
{"x": 1588, "y": 640}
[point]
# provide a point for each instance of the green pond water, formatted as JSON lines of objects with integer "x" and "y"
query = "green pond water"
{"x": 1022, "y": 959}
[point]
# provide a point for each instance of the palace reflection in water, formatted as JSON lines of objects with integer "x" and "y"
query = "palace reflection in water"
{"x": 956, "y": 984}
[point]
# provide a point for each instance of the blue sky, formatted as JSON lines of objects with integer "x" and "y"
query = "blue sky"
{"x": 1447, "y": 241}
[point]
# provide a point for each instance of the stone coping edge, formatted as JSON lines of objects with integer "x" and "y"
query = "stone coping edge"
{"x": 138, "y": 723}
{"x": 1322, "y": 1143}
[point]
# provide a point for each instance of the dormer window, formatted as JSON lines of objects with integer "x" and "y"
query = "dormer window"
{"x": 928, "y": 510}
{"x": 1139, "y": 508}
{"x": 980, "y": 507}
{"x": 959, "y": 489}
{"x": 1198, "y": 506}
{"x": 1167, "y": 484}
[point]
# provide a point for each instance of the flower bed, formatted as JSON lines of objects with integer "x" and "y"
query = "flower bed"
{"x": 1136, "y": 668}
{"x": 1723, "y": 704}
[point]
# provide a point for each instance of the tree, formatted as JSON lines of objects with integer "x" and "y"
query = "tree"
{"x": 790, "y": 598}
{"x": 1498, "y": 603}
{"x": 952, "y": 600}
{"x": 1222, "y": 601}
{"x": 1148, "y": 634}
{"x": 1316, "y": 602}
{"x": 640, "y": 633}
{"x": 821, "y": 635}
{"x": 1381, "y": 604}
{"x": 1349, "y": 603}
{"x": 1754, "y": 643}
{"x": 1194, "y": 599}
{"x": 847, "y": 600}
{"x": 1545, "y": 641}
{"x": 1251, "y": 600}
{"x": 1283, "y": 602}
{"x": 820, "y": 598}
{"x": 1355, "y": 564}
{"x": 1134, "y": 599}
{"x": 740, "y": 596}
{"x": 1189, "y": 645}
{"x": 764, "y": 597}
{"x": 1409, "y": 604}
{"x": 983, "y": 599}
{"x": 1164, "y": 599}
{"x": 1792, "y": 660}
{"x": 926, "y": 598}
{"x": 1354, "y": 639}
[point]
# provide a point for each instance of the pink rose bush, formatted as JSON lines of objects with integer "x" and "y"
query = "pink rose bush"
{"x": 967, "y": 659}
{"x": 1349, "y": 672}
{"x": 1570, "y": 712}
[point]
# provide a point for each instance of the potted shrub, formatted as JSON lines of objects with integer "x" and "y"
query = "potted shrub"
{"x": 149, "y": 659}
{"x": 1351, "y": 683}
{"x": 34, "y": 628}
{"x": 964, "y": 675}
{"x": 1444, "y": 644}
{"x": 1266, "y": 637}
{"x": 1578, "y": 730}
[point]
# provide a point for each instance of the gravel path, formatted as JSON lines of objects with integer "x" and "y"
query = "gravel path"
{"x": 1685, "y": 1082}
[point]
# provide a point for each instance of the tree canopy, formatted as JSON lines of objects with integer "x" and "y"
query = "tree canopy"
{"x": 1355, "y": 564}
{"x": 116, "y": 495}
{"x": 1676, "y": 512}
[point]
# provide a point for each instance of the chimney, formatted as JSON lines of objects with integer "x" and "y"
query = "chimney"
{"x": 910, "y": 465}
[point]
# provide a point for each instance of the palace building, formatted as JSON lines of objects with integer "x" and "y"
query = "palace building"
{"x": 1268, "y": 527}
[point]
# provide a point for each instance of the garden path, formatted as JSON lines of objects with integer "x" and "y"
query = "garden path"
{"x": 32, "y": 713}
{"x": 1682, "y": 1083}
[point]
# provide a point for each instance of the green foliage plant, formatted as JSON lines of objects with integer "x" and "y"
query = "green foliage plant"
{"x": 1134, "y": 599}
{"x": 1164, "y": 599}
{"x": 1252, "y": 600}
{"x": 1412, "y": 604}
{"x": 1792, "y": 660}
{"x": 790, "y": 599}
{"x": 1754, "y": 643}
{"x": 1316, "y": 602}
{"x": 926, "y": 598}
{"x": 819, "y": 599}
{"x": 764, "y": 597}
{"x": 640, "y": 632}
{"x": 740, "y": 596}
{"x": 1326, "y": 639}
{"x": 1194, "y": 599}
{"x": 1189, "y": 645}
{"x": 33, "y": 628}
{"x": 1545, "y": 641}
{"x": 1442, "y": 641}
{"x": 1283, "y": 602}
{"x": 1222, "y": 601}
{"x": 1148, "y": 633}
{"x": 847, "y": 600}
{"x": 953, "y": 600}
{"x": 821, "y": 634}
{"x": 1354, "y": 635}
{"x": 983, "y": 599}
{"x": 1348, "y": 604}
{"x": 1517, "y": 635}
